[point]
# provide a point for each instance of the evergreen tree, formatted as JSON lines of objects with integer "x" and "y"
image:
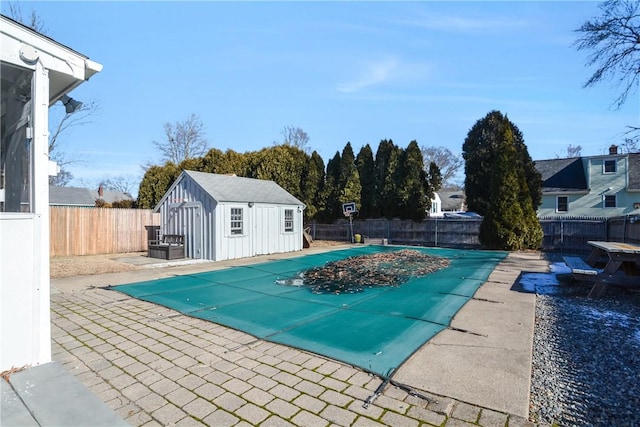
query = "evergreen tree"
{"x": 366, "y": 170}
{"x": 313, "y": 185}
{"x": 435, "y": 180}
{"x": 228, "y": 162}
{"x": 211, "y": 162}
{"x": 480, "y": 149}
{"x": 510, "y": 222}
{"x": 350, "y": 186}
{"x": 390, "y": 198}
{"x": 411, "y": 184}
{"x": 155, "y": 183}
{"x": 383, "y": 156}
{"x": 331, "y": 194}
{"x": 283, "y": 164}
{"x": 533, "y": 234}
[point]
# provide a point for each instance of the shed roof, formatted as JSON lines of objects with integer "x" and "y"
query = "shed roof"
{"x": 562, "y": 174}
{"x": 228, "y": 188}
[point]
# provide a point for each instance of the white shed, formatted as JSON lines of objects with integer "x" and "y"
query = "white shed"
{"x": 227, "y": 217}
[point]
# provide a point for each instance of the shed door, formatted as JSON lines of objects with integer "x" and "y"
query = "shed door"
{"x": 265, "y": 230}
{"x": 186, "y": 218}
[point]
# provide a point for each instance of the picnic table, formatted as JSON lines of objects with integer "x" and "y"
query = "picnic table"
{"x": 620, "y": 261}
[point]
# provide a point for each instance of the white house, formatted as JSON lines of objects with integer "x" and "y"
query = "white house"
{"x": 447, "y": 201}
{"x": 227, "y": 217}
{"x": 36, "y": 72}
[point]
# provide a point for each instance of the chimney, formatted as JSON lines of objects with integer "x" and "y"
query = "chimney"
{"x": 613, "y": 150}
{"x": 100, "y": 191}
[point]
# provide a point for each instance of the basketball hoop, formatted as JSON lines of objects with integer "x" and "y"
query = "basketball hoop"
{"x": 349, "y": 209}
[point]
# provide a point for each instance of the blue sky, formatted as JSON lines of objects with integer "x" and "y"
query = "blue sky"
{"x": 341, "y": 71}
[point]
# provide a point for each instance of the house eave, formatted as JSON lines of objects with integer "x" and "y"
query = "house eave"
{"x": 557, "y": 192}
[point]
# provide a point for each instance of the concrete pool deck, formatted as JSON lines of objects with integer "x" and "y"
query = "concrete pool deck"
{"x": 154, "y": 366}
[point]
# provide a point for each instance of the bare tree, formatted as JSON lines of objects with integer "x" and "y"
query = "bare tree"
{"x": 295, "y": 137}
{"x": 574, "y": 151}
{"x": 448, "y": 163}
{"x": 32, "y": 21}
{"x": 614, "y": 39}
{"x": 630, "y": 145}
{"x": 185, "y": 140}
{"x": 123, "y": 183}
{"x": 78, "y": 117}
{"x": 81, "y": 116}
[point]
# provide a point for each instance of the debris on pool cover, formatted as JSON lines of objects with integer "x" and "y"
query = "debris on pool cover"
{"x": 355, "y": 274}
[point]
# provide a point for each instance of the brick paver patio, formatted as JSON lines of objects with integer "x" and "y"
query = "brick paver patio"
{"x": 156, "y": 367}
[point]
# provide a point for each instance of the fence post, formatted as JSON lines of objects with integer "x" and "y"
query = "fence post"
{"x": 561, "y": 235}
{"x": 436, "y": 234}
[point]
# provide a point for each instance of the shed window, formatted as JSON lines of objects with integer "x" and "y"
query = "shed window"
{"x": 236, "y": 220}
{"x": 288, "y": 220}
{"x": 609, "y": 166}
{"x": 610, "y": 201}
{"x": 562, "y": 204}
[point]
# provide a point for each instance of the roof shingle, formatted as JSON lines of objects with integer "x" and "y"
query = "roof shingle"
{"x": 227, "y": 188}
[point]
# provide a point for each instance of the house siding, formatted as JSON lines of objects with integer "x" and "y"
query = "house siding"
{"x": 590, "y": 202}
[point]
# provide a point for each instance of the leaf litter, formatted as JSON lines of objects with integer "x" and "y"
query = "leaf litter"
{"x": 357, "y": 273}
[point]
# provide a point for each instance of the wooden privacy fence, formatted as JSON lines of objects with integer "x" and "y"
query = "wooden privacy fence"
{"x": 92, "y": 231}
{"x": 569, "y": 235}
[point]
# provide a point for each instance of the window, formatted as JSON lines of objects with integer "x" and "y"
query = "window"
{"x": 15, "y": 144}
{"x": 288, "y": 220}
{"x": 610, "y": 201}
{"x": 562, "y": 204}
{"x": 236, "y": 221}
{"x": 609, "y": 166}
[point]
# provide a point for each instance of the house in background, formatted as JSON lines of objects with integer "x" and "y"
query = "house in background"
{"x": 227, "y": 217}
{"x": 446, "y": 202}
{"x": 35, "y": 72}
{"x": 84, "y": 197}
{"x": 595, "y": 186}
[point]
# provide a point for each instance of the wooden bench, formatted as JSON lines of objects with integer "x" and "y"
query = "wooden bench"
{"x": 171, "y": 246}
{"x": 580, "y": 267}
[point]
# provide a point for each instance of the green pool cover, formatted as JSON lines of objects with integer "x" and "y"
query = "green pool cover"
{"x": 376, "y": 330}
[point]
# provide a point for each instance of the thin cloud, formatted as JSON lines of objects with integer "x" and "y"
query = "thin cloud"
{"x": 463, "y": 24}
{"x": 373, "y": 74}
{"x": 385, "y": 71}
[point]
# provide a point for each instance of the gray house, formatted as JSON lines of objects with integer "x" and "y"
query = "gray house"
{"x": 227, "y": 217}
{"x": 83, "y": 197}
{"x": 597, "y": 186}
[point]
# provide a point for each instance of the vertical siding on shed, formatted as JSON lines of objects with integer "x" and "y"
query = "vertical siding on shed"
{"x": 178, "y": 222}
{"x": 263, "y": 225}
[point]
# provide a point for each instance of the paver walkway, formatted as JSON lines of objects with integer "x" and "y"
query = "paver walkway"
{"x": 154, "y": 366}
